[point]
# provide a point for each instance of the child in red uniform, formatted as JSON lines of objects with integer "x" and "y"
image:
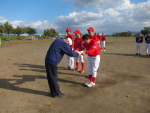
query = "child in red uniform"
{"x": 77, "y": 44}
{"x": 103, "y": 42}
{"x": 91, "y": 34}
{"x": 100, "y": 38}
{"x": 93, "y": 52}
{"x": 70, "y": 59}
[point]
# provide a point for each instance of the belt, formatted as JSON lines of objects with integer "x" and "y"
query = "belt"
{"x": 92, "y": 56}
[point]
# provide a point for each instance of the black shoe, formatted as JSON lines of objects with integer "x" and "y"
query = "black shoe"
{"x": 87, "y": 77}
{"x": 60, "y": 95}
{"x": 136, "y": 54}
{"x": 139, "y": 54}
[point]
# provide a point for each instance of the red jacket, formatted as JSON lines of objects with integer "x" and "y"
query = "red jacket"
{"x": 99, "y": 37}
{"x": 94, "y": 37}
{"x": 72, "y": 38}
{"x": 103, "y": 38}
{"x": 92, "y": 49}
{"x": 78, "y": 42}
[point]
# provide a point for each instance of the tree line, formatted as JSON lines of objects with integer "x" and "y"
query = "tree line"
{"x": 8, "y": 29}
{"x": 129, "y": 33}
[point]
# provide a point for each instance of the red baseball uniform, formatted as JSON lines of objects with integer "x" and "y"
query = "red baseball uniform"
{"x": 92, "y": 49}
{"x": 103, "y": 38}
{"x": 77, "y": 43}
{"x": 99, "y": 37}
{"x": 94, "y": 37}
{"x": 72, "y": 38}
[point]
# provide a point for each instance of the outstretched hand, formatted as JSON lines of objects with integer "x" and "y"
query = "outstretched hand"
{"x": 76, "y": 50}
{"x": 83, "y": 53}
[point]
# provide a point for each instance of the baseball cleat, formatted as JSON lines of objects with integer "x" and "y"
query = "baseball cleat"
{"x": 67, "y": 67}
{"x": 91, "y": 84}
{"x": 82, "y": 71}
{"x": 76, "y": 69}
{"x": 87, "y": 82}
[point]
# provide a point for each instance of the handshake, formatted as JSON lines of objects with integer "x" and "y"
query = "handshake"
{"x": 80, "y": 52}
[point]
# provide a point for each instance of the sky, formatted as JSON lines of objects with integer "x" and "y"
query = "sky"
{"x": 106, "y": 16}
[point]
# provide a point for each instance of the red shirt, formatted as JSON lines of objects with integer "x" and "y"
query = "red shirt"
{"x": 92, "y": 49}
{"x": 78, "y": 42}
{"x": 72, "y": 38}
{"x": 94, "y": 37}
{"x": 103, "y": 38}
{"x": 99, "y": 37}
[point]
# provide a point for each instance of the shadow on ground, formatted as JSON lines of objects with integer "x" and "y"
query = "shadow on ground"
{"x": 133, "y": 55}
{"x": 6, "y": 83}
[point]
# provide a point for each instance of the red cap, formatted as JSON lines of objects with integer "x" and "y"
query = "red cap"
{"x": 68, "y": 29}
{"x": 90, "y": 29}
{"x": 102, "y": 33}
{"x": 77, "y": 31}
{"x": 97, "y": 33}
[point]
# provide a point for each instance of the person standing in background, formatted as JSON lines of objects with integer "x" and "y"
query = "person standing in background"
{"x": 100, "y": 38}
{"x": 103, "y": 42}
{"x": 92, "y": 35}
{"x": 70, "y": 60}
{"x": 147, "y": 40}
{"x": 78, "y": 42}
{"x": 139, "y": 40}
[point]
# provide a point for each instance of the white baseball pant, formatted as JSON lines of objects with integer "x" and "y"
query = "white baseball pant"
{"x": 147, "y": 48}
{"x": 138, "y": 47}
{"x": 80, "y": 58}
{"x": 93, "y": 63}
{"x": 102, "y": 43}
{"x": 70, "y": 61}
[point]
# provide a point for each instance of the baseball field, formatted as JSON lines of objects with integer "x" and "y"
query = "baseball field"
{"x": 122, "y": 85}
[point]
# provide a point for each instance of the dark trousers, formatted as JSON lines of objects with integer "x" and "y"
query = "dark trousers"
{"x": 52, "y": 78}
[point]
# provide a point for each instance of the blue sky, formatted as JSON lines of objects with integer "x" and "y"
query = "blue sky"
{"x": 103, "y": 15}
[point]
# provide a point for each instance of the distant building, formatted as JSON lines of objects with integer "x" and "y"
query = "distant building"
{"x": 30, "y": 38}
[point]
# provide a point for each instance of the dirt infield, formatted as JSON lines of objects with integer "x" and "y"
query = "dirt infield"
{"x": 122, "y": 85}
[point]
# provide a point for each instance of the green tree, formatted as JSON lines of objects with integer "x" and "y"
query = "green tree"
{"x": 50, "y": 32}
{"x": 53, "y": 32}
{"x": 8, "y": 28}
{"x": 18, "y": 31}
{"x": 1, "y": 29}
{"x": 30, "y": 31}
{"x": 145, "y": 30}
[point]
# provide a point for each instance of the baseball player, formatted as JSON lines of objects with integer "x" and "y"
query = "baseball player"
{"x": 93, "y": 52}
{"x": 103, "y": 40}
{"x": 99, "y": 37}
{"x": 147, "y": 40}
{"x": 70, "y": 59}
{"x": 93, "y": 35}
{"x": 139, "y": 40}
{"x": 77, "y": 44}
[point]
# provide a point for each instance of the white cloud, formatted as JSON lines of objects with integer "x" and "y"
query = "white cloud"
{"x": 2, "y": 20}
{"x": 39, "y": 26}
{"x": 100, "y": 4}
{"x": 133, "y": 17}
{"x": 77, "y": 20}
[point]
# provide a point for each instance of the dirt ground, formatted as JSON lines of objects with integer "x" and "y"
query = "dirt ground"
{"x": 122, "y": 85}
